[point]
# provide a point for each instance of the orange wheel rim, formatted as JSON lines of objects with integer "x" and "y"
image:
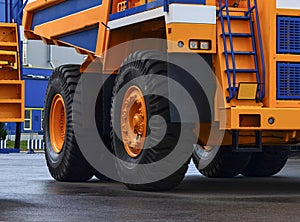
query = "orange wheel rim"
{"x": 134, "y": 121}
{"x": 57, "y": 123}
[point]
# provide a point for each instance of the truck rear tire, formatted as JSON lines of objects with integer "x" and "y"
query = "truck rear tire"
{"x": 127, "y": 85}
{"x": 64, "y": 158}
{"x": 101, "y": 177}
{"x": 267, "y": 163}
{"x": 220, "y": 162}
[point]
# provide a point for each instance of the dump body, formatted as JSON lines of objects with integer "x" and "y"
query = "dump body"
{"x": 256, "y": 62}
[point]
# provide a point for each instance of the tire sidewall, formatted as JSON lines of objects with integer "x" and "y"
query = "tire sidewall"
{"x": 203, "y": 158}
{"x": 54, "y": 158}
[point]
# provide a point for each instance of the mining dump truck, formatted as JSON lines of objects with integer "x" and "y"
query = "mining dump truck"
{"x": 12, "y": 90}
{"x": 236, "y": 61}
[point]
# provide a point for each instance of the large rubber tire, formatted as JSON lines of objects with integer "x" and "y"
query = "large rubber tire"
{"x": 267, "y": 163}
{"x": 220, "y": 163}
{"x": 140, "y": 64}
{"x": 101, "y": 177}
{"x": 68, "y": 164}
{"x": 102, "y": 110}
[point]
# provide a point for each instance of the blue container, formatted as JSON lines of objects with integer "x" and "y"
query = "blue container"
{"x": 288, "y": 34}
{"x": 288, "y": 81}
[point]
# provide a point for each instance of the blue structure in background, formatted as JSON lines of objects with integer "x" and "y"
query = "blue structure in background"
{"x": 7, "y": 12}
{"x": 36, "y": 81}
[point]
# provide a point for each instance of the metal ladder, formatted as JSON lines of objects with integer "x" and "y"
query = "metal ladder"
{"x": 233, "y": 71}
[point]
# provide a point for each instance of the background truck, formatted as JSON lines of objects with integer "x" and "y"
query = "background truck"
{"x": 11, "y": 85}
{"x": 252, "y": 48}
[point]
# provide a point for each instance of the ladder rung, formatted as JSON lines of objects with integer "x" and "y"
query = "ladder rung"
{"x": 224, "y": 6}
{"x": 232, "y": 88}
{"x": 238, "y": 34}
{"x": 231, "y": 17}
{"x": 241, "y": 53}
{"x": 7, "y": 58}
{"x": 242, "y": 70}
{"x": 9, "y": 44}
{"x": 250, "y": 10}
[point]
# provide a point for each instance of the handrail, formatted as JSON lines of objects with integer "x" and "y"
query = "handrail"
{"x": 21, "y": 12}
{"x": 18, "y": 16}
{"x": 14, "y": 7}
{"x": 6, "y": 10}
{"x": 263, "y": 89}
{"x": 231, "y": 86}
{"x": 10, "y": 11}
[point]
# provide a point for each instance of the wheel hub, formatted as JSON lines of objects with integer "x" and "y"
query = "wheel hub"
{"x": 133, "y": 121}
{"x": 57, "y": 123}
{"x": 138, "y": 123}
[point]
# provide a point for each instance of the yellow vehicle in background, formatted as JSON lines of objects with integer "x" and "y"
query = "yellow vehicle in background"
{"x": 251, "y": 47}
{"x": 11, "y": 84}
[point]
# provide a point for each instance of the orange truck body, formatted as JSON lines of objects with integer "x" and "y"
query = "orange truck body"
{"x": 94, "y": 27}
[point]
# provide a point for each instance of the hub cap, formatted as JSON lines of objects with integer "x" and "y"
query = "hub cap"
{"x": 57, "y": 123}
{"x": 133, "y": 121}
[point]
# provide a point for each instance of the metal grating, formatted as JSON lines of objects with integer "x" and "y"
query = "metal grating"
{"x": 288, "y": 81}
{"x": 288, "y": 34}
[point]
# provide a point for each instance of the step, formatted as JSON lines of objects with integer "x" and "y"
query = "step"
{"x": 8, "y": 101}
{"x": 10, "y": 46}
{"x": 8, "y": 43}
{"x": 232, "y": 17}
{"x": 11, "y": 112}
{"x": 240, "y": 53}
{"x": 238, "y": 34}
{"x": 8, "y": 25}
{"x": 11, "y": 58}
{"x": 5, "y": 65}
{"x": 11, "y": 91}
{"x": 9, "y": 74}
{"x": 243, "y": 70}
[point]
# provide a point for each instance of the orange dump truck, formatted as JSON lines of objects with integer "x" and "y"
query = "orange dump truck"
{"x": 238, "y": 61}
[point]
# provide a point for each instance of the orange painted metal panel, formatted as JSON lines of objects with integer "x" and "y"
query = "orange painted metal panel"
{"x": 11, "y": 85}
{"x": 282, "y": 111}
{"x": 285, "y": 118}
{"x": 185, "y": 32}
{"x": 67, "y": 25}
{"x": 12, "y": 101}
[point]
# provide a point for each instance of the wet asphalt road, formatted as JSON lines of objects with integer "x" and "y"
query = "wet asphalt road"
{"x": 28, "y": 193}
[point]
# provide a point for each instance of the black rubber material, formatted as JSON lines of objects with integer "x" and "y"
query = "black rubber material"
{"x": 69, "y": 164}
{"x": 140, "y": 64}
{"x": 225, "y": 164}
{"x": 267, "y": 163}
{"x": 100, "y": 176}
